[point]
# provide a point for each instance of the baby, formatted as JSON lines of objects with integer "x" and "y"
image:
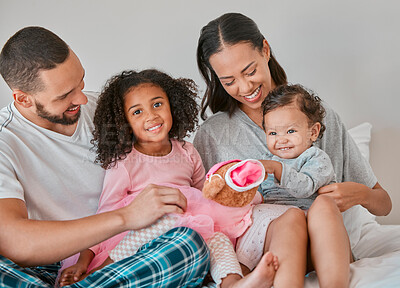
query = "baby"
{"x": 292, "y": 121}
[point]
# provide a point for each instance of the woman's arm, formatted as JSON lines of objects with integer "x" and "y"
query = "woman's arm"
{"x": 352, "y": 169}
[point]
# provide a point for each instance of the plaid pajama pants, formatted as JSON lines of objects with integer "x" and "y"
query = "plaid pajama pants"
{"x": 178, "y": 258}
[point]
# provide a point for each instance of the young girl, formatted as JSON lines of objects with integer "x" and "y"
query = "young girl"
{"x": 292, "y": 121}
{"x": 140, "y": 122}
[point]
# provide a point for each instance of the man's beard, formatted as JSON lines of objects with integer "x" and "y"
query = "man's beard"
{"x": 63, "y": 120}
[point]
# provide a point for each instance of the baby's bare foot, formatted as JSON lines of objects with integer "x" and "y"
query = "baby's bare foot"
{"x": 265, "y": 270}
{"x": 263, "y": 275}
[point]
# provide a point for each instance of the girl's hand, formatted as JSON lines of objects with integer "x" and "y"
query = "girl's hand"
{"x": 72, "y": 274}
{"x": 151, "y": 204}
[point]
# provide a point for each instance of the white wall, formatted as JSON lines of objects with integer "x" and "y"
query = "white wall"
{"x": 346, "y": 51}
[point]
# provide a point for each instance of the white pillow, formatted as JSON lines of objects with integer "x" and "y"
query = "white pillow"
{"x": 362, "y": 136}
{"x": 357, "y": 216}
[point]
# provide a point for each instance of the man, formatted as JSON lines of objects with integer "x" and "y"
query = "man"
{"x": 50, "y": 184}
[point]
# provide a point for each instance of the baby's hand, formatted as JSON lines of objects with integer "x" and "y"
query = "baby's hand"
{"x": 72, "y": 274}
{"x": 272, "y": 167}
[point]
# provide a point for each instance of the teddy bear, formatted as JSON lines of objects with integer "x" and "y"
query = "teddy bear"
{"x": 233, "y": 185}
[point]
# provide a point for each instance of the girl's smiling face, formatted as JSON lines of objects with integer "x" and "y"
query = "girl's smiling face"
{"x": 148, "y": 113}
{"x": 244, "y": 73}
{"x": 288, "y": 131}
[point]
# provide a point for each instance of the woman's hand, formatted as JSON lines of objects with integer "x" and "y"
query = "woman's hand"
{"x": 349, "y": 194}
{"x": 151, "y": 204}
{"x": 346, "y": 194}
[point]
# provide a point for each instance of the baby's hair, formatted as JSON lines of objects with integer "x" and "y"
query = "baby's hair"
{"x": 306, "y": 101}
{"x": 113, "y": 137}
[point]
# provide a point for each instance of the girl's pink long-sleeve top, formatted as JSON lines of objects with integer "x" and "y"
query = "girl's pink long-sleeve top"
{"x": 182, "y": 168}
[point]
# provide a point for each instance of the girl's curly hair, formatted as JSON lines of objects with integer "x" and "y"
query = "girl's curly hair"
{"x": 306, "y": 100}
{"x": 113, "y": 138}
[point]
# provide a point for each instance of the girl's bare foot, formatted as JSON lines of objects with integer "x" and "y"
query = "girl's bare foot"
{"x": 69, "y": 279}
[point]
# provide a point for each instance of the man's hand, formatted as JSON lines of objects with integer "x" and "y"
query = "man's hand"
{"x": 151, "y": 204}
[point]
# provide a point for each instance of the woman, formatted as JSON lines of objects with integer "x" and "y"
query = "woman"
{"x": 239, "y": 68}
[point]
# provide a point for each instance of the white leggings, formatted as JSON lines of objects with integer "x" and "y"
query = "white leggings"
{"x": 250, "y": 246}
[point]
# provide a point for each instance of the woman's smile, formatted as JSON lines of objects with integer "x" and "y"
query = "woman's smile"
{"x": 255, "y": 96}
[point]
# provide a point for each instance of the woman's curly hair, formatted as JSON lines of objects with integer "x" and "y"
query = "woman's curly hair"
{"x": 306, "y": 100}
{"x": 113, "y": 138}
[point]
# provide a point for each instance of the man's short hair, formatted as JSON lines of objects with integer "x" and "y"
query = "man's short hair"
{"x": 27, "y": 52}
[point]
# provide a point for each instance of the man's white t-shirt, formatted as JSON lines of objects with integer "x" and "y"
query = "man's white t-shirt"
{"x": 53, "y": 173}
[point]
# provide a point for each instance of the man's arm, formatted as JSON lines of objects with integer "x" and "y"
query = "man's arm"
{"x": 32, "y": 242}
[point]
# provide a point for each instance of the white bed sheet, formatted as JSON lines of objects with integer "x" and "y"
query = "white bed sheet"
{"x": 379, "y": 266}
{"x": 376, "y": 272}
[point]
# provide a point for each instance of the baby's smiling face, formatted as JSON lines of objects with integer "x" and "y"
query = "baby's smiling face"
{"x": 289, "y": 132}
